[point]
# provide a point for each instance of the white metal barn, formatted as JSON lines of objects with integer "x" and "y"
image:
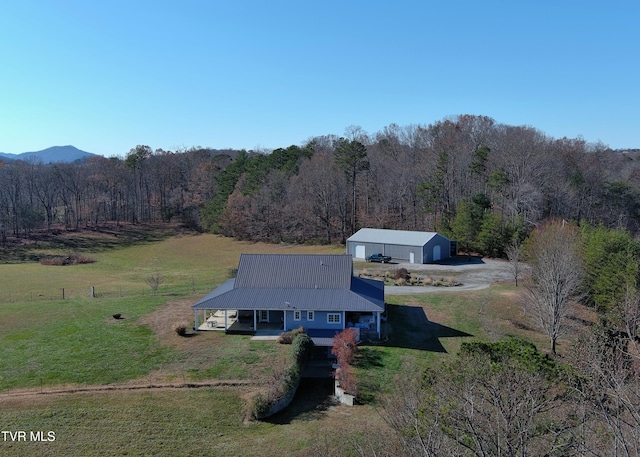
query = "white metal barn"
{"x": 410, "y": 246}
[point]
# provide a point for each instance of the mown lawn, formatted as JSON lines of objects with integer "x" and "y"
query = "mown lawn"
{"x": 47, "y": 341}
{"x": 77, "y": 342}
{"x": 185, "y": 422}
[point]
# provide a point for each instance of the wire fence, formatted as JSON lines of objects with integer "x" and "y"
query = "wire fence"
{"x": 75, "y": 292}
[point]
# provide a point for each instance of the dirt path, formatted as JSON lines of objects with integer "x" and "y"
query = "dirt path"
{"x": 28, "y": 395}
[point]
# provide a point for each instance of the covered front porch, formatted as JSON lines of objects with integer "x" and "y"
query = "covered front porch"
{"x": 274, "y": 322}
{"x": 241, "y": 322}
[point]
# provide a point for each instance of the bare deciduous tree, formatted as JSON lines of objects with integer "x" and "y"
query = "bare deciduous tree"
{"x": 404, "y": 411}
{"x": 608, "y": 360}
{"x": 556, "y": 276}
{"x": 514, "y": 254}
{"x": 482, "y": 405}
{"x": 154, "y": 282}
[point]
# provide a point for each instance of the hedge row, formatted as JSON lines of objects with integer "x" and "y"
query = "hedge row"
{"x": 279, "y": 395}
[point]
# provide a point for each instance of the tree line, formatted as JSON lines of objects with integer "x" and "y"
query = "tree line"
{"x": 480, "y": 182}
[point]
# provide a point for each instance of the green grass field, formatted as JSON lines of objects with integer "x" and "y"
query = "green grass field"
{"x": 47, "y": 343}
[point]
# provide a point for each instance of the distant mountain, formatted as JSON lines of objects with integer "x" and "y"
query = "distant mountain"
{"x": 51, "y": 155}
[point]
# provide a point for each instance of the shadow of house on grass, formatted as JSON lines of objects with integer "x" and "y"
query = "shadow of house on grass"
{"x": 410, "y": 328}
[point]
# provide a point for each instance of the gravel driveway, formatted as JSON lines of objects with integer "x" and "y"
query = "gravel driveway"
{"x": 473, "y": 274}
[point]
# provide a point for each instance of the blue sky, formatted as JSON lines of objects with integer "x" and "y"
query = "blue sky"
{"x": 105, "y": 76}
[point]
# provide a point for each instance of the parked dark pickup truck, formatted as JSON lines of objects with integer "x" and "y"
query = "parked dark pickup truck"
{"x": 378, "y": 258}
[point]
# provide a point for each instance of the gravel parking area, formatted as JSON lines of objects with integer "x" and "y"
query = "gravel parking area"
{"x": 472, "y": 273}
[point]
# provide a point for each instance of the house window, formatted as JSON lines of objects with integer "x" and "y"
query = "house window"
{"x": 334, "y": 318}
{"x": 297, "y": 315}
{"x": 309, "y": 315}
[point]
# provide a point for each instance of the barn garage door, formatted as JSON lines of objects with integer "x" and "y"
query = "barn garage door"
{"x": 360, "y": 252}
{"x": 436, "y": 253}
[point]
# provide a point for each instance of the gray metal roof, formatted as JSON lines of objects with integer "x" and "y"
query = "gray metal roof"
{"x": 252, "y": 289}
{"x": 322, "y": 337}
{"x": 400, "y": 237}
{"x": 290, "y": 299}
{"x": 307, "y": 271}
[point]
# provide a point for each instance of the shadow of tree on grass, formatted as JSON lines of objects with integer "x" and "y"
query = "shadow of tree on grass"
{"x": 368, "y": 358}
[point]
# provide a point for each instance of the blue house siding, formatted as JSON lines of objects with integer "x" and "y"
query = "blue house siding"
{"x": 320, "y": 320}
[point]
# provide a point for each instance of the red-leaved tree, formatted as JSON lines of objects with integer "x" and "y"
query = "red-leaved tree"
{"x": 345, "y": 346}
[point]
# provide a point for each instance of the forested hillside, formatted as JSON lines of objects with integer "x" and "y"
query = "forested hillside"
{"x": 481, "y": 182}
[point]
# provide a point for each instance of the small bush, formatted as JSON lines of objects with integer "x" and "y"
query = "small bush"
{"x": 288, "y": 337}
{"x": 260, "y": 405}
{"x": 56, "y": 261}
{"x": 401, "y": 282}
{"x": 181, "y": 329}
{"x": 73, "y": 259}
{"x": 83, "y": 259}
{"x": 427, "y": 281}
{"x": 402, "y": 273}
{"x": 297, "y": 331}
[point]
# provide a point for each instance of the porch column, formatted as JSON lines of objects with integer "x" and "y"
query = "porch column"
{"x": 196, "y": 325}
{"x": 255, "y": 320}
{"x": 225, "y": 319}
{"x": 378, "y": 323}
{"x": 284, "y": 320}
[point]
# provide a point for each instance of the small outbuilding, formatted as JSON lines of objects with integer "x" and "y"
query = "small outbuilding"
{"x": 410, "y": 246}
